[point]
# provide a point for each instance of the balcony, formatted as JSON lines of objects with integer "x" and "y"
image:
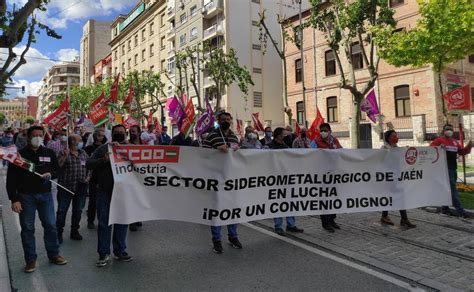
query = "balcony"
{"x": 170, "y": 13}
{"x": 171, "y": 53}
{"x": 214, "y": 30}
{"x": 212, "y": 8}
{"x": 170, "y": 34}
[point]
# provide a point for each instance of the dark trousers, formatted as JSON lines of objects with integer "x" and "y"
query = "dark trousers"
{"x": 403, "y": 213}
{"x": 45, "y": 205}
{"x": 92, "y": 205}
{"x": 327, "y": 219}
{"x": 64, "y": 201}
{"x": 104, "y": 231}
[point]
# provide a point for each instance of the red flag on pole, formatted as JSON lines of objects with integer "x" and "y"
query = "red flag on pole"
{"x": 459, "y": 99}
{"x": 256, "y": 122}
{"x": 129, "y": 98}
{"x": 157, "y": 125}
{"x": 240, "y": 126}
{"x": 149, "y": 120}
{"x": 11, "y": 155}
{"x": 98, "y": 113}
{"x": 58, "y": 119}
{"x": 313, "y": 131}
{"x": 297, "y": 129}
{"x": 130, "y": 121}
{"x": 189, "y": 117}
{"x": 114, "y": 89}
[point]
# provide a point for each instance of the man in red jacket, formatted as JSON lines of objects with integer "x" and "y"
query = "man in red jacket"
{"x": 453, "y": 148}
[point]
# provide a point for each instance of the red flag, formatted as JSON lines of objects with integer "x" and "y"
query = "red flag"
{"x": 149, "y": 120}
{"x": 58, "y": 119}
{"x": 129, "y": 98}
{"x": 189, "y": 117}
{"x": 114, "y": 89}
{"x": 459, "y": 99}
{"x": 11, "y": 155}
{"x": 240, "y": 126}
{"x": 313, "y": 131}
{"x": 130, "y": 121}
{"x": 297, "y": 129}
{"x": 256, "y": 122}
{"x": 98, "y": 113}
{"x": 157, "y": 125}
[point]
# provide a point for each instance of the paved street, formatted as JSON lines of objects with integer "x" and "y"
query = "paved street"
{"x": 177, "y": 256}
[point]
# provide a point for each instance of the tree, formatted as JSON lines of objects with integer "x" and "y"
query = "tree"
{"x": 14, "y": 25}
{"x": 224, "y": 70}
{"x": 444, "y": 34}
{"x": 29, "y": 120}
{"x": 344, "y": 23}
{"x": 2, "y": 118}
{"x": 150, "y": 84}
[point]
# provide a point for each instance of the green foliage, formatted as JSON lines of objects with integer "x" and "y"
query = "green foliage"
{"x": 443, "y": 35}
{"x": 29, "y": 120}
{"x": 2, "y": 118}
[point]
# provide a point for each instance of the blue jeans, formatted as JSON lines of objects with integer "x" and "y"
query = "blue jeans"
{"x": 216, "y": 231}
{"x": 64, "y": 201}
{"x": 290, "y": 222}
{"x": 45, "y": 205}
{"x": 453, "y": 176}
{"x": 104, "y": 231}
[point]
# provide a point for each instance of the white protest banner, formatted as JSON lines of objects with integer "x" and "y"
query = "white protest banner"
{"x": 209, "y": 187}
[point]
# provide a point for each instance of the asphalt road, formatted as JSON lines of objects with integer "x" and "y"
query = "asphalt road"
{"x": 174, "y": 256}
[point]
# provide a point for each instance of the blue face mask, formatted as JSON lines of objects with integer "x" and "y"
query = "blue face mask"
{"x": 268, "y": 134}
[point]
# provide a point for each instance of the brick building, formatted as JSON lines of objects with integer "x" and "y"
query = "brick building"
{"x": 409, "y": 98}
{"x": 32, "y": 105}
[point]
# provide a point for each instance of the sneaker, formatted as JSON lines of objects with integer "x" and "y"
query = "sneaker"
{"x": 217, "y": 246}
{"x": 334, "y": 225}
{"x": 90, "y": 225}
{"x": 294, "y": 229}
{"x": 30, "y": 267}
{"x": 445, "y": 213}
{"x": 466, "y": 216}
{"x": 139, "y": 224}
{"x": 328, "y": 228}
{"x": 58, "y": 260}
{"x": 102, "y": 261}
{"x": 75, "y": 235}
{"x": 133, "y": 227}
{"x": 235, "y": 243}
{"x": 124, "y": 257}
{"x": 280, "y": 231}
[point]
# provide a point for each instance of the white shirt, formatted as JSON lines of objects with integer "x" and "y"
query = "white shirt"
{"x": 148, "y": 138}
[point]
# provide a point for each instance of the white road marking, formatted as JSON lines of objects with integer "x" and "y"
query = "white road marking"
{"x": 343, "y": 261}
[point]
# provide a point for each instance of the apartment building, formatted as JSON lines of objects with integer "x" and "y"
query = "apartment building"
{"x": 58, "y": 81}
{"x": 103, "y": 69}
{"x": 94, "y": 46}
{"x": 408, "y": 98}
{"x": 14, "y": 110}
{"x": 138, "y": 40}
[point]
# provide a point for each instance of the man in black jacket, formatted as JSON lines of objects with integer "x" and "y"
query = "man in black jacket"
{"x": 29, "y": 192}
{"x": 100, "y": 163}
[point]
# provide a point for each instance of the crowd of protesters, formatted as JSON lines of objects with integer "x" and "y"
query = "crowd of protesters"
{"x": 79, "y": 160}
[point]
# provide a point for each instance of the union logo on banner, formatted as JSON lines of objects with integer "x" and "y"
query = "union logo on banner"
{"x": 459, "y": 99}
{"x": 138, "y": 154}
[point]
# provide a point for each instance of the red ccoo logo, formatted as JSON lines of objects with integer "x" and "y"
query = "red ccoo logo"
{"x": 146, "y": 154}
{"x": 411, "y": 155}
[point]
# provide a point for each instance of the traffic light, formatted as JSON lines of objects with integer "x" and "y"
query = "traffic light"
{"x": 23, "y": 89}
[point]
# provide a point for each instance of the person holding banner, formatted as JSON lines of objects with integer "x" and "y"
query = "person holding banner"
{"x": 100, "y": 163}
{"x": 453, "y": 149}
{"x": 327, "y": 141}
{"x": 164, "y": 138}
{"x": 149, "y": 137}
{"x": 29, "y": 193}
{"x": 302, "y": 140}
{"x": 391, "y": 141}
{"x": 223, "y": 139}
{"x": 73, "y": 175}
{"x": 135, "y": 139}
{"x": 267, "y": 138}
{"x": 279, "y": 143}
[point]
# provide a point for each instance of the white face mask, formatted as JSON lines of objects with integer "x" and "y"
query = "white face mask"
{"x": 64, "y": 138}
{"x": 324, "y": 134}
{"x": 448, "y": 133}
{"x": 252, "y": 136}
{"x": 36, "y": 141}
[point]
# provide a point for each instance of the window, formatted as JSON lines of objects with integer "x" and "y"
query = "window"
{"x": 256, "y": 47}
{"x": 300, "y": 112}
{"x": 162, "y": 20}
{"x": 143, "y": 55}
{"x": 257, "y": 99}
{"x": 257, "y": 70}
{"x": 182, "y": 40}
{"x": 163, "y": 65}
{"x": 402, "y": 101}
{"x": 143, "y": 34}
{"x": 123, "y": 50}
{"x": 298, "y": 71}
{"x": 400, "y": 29}
{"x": 471, "y": 58}
{"x": 193, "y": 11}
{"x": 331, "y": 107}
{"x": 152, "y": 46}
{"x": 193, "y": 34}
{"x": 356, "y": 52}
{"x": 129, "y": 63}
{"x": 115, "y": 55}
{"x": 115, "y": 71}
{"x": 297, "y": 32}
{"x": 151, "y": 28}
{"x": 330, "y": 63}
{"x": 129, "y": 45}
{"x": 394, "y": 3}
{"x": 136, "y": 40}
{"x": 136, "y": 59}
{"x": 123, "y": 68}
{"x": 171, "y": 63}
{"x": 152, "y": 69}
{"x": 162, "y": 43}
{"x": 182, "y": 18}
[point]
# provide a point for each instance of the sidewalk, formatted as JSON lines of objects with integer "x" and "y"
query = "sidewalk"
{"x": 438, "y": 253}
{"x": 4, "y": 271}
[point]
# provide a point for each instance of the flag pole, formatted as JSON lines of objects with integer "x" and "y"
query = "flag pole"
{"x": 52, "y": 181}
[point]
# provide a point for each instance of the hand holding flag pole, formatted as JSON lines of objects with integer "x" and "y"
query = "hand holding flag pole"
{"x": 52, "y": 181}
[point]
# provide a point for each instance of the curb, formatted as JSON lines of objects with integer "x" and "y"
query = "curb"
{"x": 4, "y": 271}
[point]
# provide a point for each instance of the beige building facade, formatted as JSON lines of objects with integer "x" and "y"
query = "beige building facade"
{"x": 14, "y": 109}
{"x": 408, "y": 98}
{"x": 94, "y": 46}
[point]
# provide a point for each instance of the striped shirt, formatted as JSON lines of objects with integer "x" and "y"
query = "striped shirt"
{"x": 217, "y": 138}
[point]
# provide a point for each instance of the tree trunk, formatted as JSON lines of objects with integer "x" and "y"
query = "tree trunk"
{"x": 355, "y": 122}
{"x": 440, "y": 83}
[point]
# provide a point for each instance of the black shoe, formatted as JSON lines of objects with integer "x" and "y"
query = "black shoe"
{"x": 294, "y": 229}
{"x": 334, "y": 225}
{"x": 90, "y": 225}
{"x": 445, "y": 213}
{"x": 217, "y": 248}
{"x": 235, "y": 243}
{"x": 280, "y": 231}
{"x": 102, "y": 261}
{"x": 124, "y": 257}
{"x": 133, "y": 227}
{"x": 60, "y": 237}
{"x": 75, "y": 235}
{"x": 328, "y": 228}
{"x": 139, "y": 224}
